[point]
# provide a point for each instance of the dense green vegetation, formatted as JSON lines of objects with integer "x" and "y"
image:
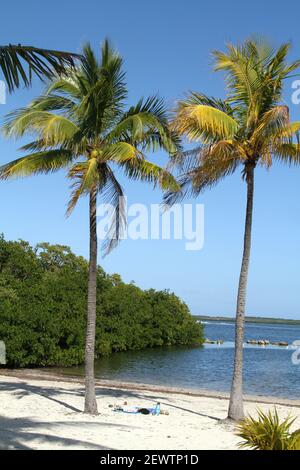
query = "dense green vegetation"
{"x": 43, "y": 293}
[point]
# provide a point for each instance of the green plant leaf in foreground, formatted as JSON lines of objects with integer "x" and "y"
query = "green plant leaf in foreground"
{"x": 266, "y": 432}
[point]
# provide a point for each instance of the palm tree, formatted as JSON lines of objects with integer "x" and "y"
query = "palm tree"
{"x": 251, "y": 127}
{"x": 91, "y": 134}
{"x": 44, "y": 63}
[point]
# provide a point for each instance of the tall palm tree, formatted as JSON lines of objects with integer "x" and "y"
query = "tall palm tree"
{"x": 44, "y": 63}
{"x": 81, "y": 124}
{"x": 251, "y": 127}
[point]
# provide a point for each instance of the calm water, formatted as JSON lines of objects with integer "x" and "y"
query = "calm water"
{"x": 268, "y": 370}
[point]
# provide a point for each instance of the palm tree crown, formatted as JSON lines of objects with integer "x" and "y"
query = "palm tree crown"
{"x": 81, "y": 123}
{"x": 250, "y": 127}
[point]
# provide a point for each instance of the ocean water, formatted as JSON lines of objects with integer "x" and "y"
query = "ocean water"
{"x": 267, "y": 370}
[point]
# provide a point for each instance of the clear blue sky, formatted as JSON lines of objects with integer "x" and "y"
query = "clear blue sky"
{"x": 166, "y": 47}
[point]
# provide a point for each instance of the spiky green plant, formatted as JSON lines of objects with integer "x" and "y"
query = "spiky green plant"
{"x": 266, "y": 432}
{"x": 81, "y": 124}
{"x": 251, "y": 127}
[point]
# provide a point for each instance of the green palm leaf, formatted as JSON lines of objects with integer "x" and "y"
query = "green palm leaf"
{"x": 202, "y": 122}
{"x": 44, "y": 63}
{"x": 144, "y": 170}
{"x": 47, "y": 161}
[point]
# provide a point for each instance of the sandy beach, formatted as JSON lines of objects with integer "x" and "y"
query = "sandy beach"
{"x": 44, "y": 413}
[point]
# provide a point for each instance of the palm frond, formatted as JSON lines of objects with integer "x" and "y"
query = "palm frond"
{"x": 255, "y": 74}
{"x": 241, "y": 73}
{"x": 85, "y": 176}
{"x": 44, "y": 63}
{"x": 53, "y": 102}
{"x": 203, "y": 123}
{"x": 144, "y": 170}
{"x": 272, "y": 121}
{"x": 66, "y": 85}
{"x": 52, "y": 128}
{"x": 208, "y": 166}
{"x": 146, "y": 125}
{"x": 37, "y": 163}
{"x": 120, "y": 152}
{"x": 287, "y": 152}
{"x": 112, "y": 193}
{"x": 200, "y": 98}
{"x": 103, "y": 90}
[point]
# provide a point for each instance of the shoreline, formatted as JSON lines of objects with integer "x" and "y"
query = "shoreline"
{"x": 251, "y": 319}
{"x": 40, "y": 375}
{"x": 41, "y": 411}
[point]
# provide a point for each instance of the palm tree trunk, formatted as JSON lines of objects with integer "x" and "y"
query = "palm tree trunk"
{"x": 90, "y": 404}
{"x": 236, "y": 408}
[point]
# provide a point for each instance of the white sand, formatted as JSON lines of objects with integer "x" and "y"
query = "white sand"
{"x": 40, "y": 414}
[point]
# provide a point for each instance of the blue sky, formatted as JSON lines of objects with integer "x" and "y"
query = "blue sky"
{"x": 166, "y": 48}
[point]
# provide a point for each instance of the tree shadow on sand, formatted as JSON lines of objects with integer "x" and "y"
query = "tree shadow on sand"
{"x": 18, "y": 433}
{"x": 21, "y": 389}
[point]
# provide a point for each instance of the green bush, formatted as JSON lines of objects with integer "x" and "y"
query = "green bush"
{"x": 43, "y": 292}
{"x": 268, "y": 433}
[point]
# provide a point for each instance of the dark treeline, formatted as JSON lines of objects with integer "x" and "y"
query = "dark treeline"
{"x": 43, "y": 294}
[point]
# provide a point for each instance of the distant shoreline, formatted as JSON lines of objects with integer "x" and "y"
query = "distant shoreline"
{"x": 279, "y": 321}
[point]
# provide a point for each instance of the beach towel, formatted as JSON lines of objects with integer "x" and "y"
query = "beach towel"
{"x": 138, "y": 410}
